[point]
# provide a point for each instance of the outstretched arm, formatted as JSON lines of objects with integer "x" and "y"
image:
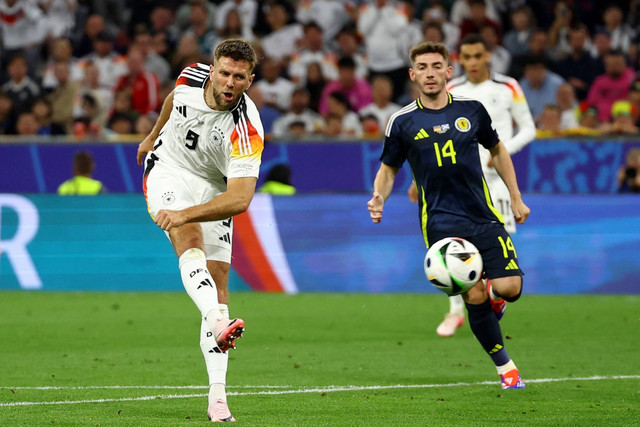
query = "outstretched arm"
{"x": 504, "y": 166}
{"x": 232, "y": 202}
{"x": 147, "y": 144}
{"x": 382, "y": 187}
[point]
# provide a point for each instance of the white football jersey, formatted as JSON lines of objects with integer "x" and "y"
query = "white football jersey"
{"x": 505, "y": 102}
{"x": 214, "y": 145}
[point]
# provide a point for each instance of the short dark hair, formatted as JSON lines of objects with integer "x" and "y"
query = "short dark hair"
{"x": 579, "y": 26}
{"x": 300, "y": 90}
{"x": 312, "y": 24}
{"x": 83, "y": 163}
{"x": 348, "y": 28}
{"x": 90, "y": 99}
{"x": 531, "y": 60}
{"x": 434, "y": 25}
{"x": 473, "y": 38}
{"x": 341, "y": 98}
{"x": 281, "y": 172}
{"x": 346, "y": 62}
{"x": 116, "y": 117}
{"x": 553, "y": 107}
{"x": 238, "y": 50}
{"x": 17, "y": 57}
{"x": 615, "y": 52}
{"x": 429, "y": 47}
{"x": 104, "y": 36}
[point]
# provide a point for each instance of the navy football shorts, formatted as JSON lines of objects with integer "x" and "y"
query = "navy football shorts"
{"x": 498, "y": 252}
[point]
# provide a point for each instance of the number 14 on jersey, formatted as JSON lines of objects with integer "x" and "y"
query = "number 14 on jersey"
{"x": 446, "y": 151}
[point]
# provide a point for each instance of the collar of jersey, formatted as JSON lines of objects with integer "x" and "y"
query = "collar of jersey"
{"x": 422, "y": 107}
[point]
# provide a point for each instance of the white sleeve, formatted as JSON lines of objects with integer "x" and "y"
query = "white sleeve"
{"x": 247, "y": 139}
{"x": 280, "y": 126}
{"x": 524, "y": 122}
{"x": 297, "y": 69}
{"x": 304, "y": 14}
{"x": 394, "y": 20}
{"x": 369, "y": 16}
{"x": 220, "y": 17}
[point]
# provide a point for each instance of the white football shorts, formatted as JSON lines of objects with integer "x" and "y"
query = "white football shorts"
{"x": 176, "y": 189}
{"x": 501, "y": 200}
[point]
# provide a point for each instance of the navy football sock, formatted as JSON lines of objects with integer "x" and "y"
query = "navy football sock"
{"x": 486, "y": 328}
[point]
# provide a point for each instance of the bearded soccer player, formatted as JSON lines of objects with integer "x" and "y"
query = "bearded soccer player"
{"x": 505, "y": 102}
{"x": 202, "y": 162}
{"x": 439, "y": 135}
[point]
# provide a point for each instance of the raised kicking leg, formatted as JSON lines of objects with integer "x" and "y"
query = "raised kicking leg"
{"x": 201, "y": 286}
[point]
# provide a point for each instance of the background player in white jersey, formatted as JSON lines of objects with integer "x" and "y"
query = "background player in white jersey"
{"x": 202, "y": 162}
{"x": 505, "y": 102}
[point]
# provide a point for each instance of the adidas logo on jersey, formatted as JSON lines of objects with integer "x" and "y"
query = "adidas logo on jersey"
{"x": 512, "y": 266}
{"x": 182, "y": 109}
{"x": 421, "y": 135}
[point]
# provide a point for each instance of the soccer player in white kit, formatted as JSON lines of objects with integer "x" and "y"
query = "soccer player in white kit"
{"x": 505, "y": 102}
{"x": 202, "y": 162}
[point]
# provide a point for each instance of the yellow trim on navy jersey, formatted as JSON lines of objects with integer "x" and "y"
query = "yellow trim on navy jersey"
{"x": 487, "y": 196}
{"x": 449, "y": 97}
{"x": 423, "y": 218}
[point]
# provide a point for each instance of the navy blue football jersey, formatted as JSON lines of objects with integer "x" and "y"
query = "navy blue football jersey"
{"x": 442, "y": 149}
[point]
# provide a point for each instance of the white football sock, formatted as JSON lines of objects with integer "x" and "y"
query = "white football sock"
{"x": 456, "y": 305}
{"x": 217, "y": 392}
{"x": 199, "y": 284}
{"x": 215, "y": 361}
{"x": 224, "y": 310}
{"x": 506, "y": 367}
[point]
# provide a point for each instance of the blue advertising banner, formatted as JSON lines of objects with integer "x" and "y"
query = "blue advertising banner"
{"x": 555, "y": 166}
{"x": 307, "y": 243}
{"x": 569, "y": 166}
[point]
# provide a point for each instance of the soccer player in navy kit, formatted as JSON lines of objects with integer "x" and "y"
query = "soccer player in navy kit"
{"x": 506, "y": 104}
{"x": 439, "y": 135}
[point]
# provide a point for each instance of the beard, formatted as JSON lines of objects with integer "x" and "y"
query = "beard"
{"x": 433, "y": 92}
{"x": 223, "y": 102}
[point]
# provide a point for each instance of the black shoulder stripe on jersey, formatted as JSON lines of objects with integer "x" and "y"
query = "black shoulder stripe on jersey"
{"x": 501, "y": 78}
{"x": 201, "y": 67}
{"x": 239, "y": 110}
{"x": 194, "y": 76}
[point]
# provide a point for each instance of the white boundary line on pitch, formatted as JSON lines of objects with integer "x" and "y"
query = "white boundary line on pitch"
{"x": 142, "y": 387}
{"x": 282, "y": 391}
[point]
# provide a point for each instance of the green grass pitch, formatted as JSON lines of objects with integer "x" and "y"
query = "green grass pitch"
{"x": 315, "y": 360}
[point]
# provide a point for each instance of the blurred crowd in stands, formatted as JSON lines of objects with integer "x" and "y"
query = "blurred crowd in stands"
{"x": 98, "y": 68}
